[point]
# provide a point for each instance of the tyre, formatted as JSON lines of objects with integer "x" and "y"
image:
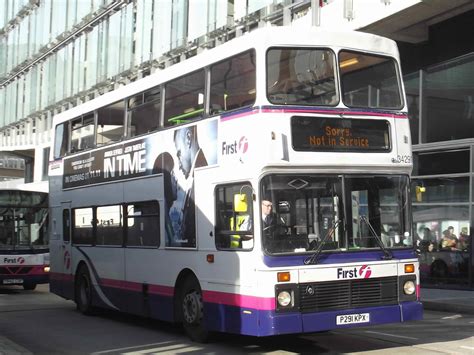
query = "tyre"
{"x": 29, "y": 287}
{"x": 83, "y": 291}
{"x": 192, "y": 310}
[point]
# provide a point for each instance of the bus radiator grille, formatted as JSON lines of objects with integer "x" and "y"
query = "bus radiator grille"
{"x": 332, "y": 295}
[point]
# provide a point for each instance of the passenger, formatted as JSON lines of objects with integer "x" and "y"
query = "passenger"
{"x": 426, "y": 243}
{"x": 451, "y": 232}
{"x": 449, "y": 240}
{"x": 464, "y": 239}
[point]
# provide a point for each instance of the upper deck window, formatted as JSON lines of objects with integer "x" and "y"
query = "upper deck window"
{"x": 233, "y": 83}
{"x": 61, "y": 140}
{"x": 82, "y": 133}
{"x": 184, "y": 99}
{"x": 144, "y": 112}
{"x": 369, "y": 81}
{"x": 110, "y": 123}
{"x": 301, "y": 76}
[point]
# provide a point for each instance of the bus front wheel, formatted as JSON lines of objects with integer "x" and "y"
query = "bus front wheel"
{"x": 83, "y": 291}
{"x": 192, "y": 311}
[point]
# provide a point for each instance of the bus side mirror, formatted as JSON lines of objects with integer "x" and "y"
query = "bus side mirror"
{"x": 240, "y": 203}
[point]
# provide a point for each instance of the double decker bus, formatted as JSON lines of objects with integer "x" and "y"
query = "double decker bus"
{"x": 24, "y": 249}
{"x": 158, "y": 190}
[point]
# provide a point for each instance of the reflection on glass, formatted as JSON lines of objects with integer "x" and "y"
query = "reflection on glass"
{"x": 442, "y": 189}
{"x": 301, "y": 77}
{"x": 442, "y": 236}
{"x": 448, "y": 97}
{"x": 338, "y": 211}
{"x": 369, "y": 81}
{"x": 412, "y": 89}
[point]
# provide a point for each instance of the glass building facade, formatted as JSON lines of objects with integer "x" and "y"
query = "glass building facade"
{"x": 55, "y": 54}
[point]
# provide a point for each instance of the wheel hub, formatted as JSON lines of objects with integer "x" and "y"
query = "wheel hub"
{"x": 192, "y": 308}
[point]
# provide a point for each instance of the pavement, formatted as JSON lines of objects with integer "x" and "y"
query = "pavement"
{"x": 446, "y": 300}
{"x": 443, "y": 300}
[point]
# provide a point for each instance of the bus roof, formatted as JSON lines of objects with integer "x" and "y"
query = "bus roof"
{"x": 260, "y": 39}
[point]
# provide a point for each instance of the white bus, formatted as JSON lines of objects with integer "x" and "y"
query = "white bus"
{"x": 157, "y": 188}
{"x": 24, "y": 249}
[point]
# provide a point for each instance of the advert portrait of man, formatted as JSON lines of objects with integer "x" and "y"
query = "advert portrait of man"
{"x": 190, "y": 156}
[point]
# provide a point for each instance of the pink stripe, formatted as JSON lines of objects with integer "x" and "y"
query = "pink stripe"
{"x": 161, "y": 290}
{"x": 418, "y": 291}
{"x": 239, "y": 115}
{"x": 38, "y": 270}
{"x": 232, "y": 299}
{"x": 18, "y": 269}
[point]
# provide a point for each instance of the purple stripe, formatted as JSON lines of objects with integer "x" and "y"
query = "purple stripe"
{"x": 335, "y": 258}
{"x": 137, "y": 287}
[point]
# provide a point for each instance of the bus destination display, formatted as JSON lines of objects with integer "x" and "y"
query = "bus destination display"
{"x": 339, "y": 134}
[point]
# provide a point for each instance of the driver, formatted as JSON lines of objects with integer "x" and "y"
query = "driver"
{"x": 268, "y": 218}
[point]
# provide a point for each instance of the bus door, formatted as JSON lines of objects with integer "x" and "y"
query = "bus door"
{"x": 60, "y": 250}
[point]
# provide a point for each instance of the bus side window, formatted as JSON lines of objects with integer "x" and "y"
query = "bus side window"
{"x": 234, "y": 217}
{"x": 143, "y": 224}
{"x": 61, "y": 140}
{"x": 110, "y": 123}
{"x": 144, "y": 112}
{"x": 82, "y": 133}
{"x": 109, "y": 225}
{"x": 184, "y": 99}
{"x": 233, "y": 83}
{"x": 83, "y": 226}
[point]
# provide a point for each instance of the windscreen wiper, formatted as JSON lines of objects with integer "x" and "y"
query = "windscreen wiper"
{"x": 387, "y": 254}
{"x": 313, "y": 259}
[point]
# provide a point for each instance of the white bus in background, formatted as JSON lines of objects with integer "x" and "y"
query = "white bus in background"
{"x": 24, "y": 249}
{"x": 157, "y": 188}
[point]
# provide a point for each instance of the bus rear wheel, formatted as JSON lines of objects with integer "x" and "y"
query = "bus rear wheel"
{"x": 192, "y": 311}
{"x": 83, "y": 291}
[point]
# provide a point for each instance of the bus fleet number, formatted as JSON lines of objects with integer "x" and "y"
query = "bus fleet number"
{"x": 406, "y": 159}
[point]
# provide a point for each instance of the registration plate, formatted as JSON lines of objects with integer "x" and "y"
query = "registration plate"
{"x": 353, "y": 318}
{"x": 12, "y": 281}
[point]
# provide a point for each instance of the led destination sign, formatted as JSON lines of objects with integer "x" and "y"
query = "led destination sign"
{"x": 339, "y": 134}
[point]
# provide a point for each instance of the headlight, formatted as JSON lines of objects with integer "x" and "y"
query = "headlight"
{"x": 46, "y": 269}
{"x": 409, "y": 287}
{"x": 284, "y": 298}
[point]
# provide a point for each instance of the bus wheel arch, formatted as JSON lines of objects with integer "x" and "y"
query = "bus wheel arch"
{"x": 189, "y": 306}
{"x": 83, "y": 289}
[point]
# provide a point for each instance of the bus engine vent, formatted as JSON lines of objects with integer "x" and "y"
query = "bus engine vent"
{"x": 347, "y": 294}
